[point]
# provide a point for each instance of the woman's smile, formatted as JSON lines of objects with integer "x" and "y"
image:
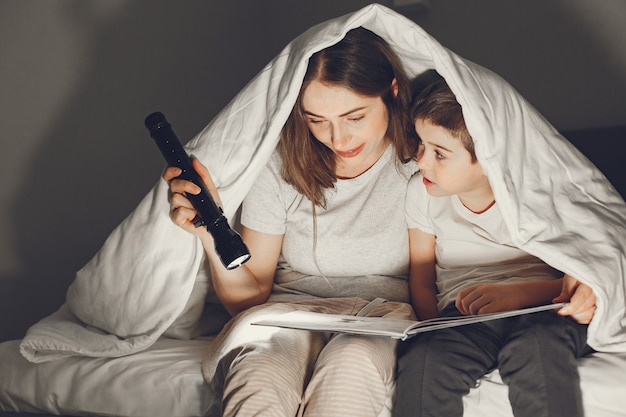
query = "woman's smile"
{"x": 352, "y": 152}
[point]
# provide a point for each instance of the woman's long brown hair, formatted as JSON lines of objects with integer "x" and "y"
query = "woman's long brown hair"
{"x": 366, "y": 64}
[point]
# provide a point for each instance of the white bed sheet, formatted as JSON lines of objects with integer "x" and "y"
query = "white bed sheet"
{"x": 166, "y": 381}
{"x": 162, "y": 381}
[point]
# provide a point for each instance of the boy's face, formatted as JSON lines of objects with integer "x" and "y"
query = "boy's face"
{"x": 446, "y": 165}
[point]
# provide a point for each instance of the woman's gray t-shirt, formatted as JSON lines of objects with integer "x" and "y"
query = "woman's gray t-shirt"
{"x": 360, "y": 248}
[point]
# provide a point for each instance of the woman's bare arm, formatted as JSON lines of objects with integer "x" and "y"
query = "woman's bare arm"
{"x": 238, "y": 289}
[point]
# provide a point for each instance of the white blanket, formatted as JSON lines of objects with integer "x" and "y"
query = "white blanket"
{"x": 556, "y": 204}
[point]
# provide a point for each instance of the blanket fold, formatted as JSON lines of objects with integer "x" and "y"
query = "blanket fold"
{"x": 556, "y": 203}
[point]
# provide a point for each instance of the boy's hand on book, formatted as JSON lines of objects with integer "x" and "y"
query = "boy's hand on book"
{"x": 581, "y": 298}
{"x": 488, "y": 298}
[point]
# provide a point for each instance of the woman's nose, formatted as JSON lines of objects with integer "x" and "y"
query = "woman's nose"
{"x": 340, "y": 137}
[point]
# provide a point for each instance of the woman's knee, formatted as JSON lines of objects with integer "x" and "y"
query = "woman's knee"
{"x": 361, "y": 354}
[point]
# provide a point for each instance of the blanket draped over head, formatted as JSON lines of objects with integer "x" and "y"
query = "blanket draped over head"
{"x": 556, "y": 204}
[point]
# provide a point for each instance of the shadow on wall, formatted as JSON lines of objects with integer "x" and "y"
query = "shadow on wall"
{"x": 599, "y": 146}
{"x": 566, "y": 57}
{"x": 97, "y": 160}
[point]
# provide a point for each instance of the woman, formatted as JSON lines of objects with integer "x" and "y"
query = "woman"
{"x": 325, "y": 227}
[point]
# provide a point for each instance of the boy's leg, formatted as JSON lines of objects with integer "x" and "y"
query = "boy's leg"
{"x": 437, "y": 368}
{"x": 539, "y": 363}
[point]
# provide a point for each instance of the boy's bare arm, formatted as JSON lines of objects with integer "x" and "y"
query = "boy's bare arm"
{"x": 496, "y": 297}
{"x": 422, "y": 280}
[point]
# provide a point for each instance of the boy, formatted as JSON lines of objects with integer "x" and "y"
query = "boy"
{"x": 463, "y": 261}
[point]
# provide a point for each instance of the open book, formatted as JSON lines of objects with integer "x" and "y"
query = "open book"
{"x": 383, "y": 326}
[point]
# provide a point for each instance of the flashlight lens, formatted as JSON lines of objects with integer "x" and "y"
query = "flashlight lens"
{"x": 238, "y": 262}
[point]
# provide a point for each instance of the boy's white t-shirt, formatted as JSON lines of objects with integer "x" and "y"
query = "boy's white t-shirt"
{"x": 361, "y": 244}
{"x": 470, "y": 248}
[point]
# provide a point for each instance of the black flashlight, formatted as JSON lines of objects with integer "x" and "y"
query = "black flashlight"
{"x": 228, "y": 244}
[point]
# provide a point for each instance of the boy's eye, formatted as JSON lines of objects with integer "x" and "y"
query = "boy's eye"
{"x": 439, "y": 155}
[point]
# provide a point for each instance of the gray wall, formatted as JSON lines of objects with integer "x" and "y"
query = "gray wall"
{"x": 567, "y": 57}
{"x": 78, "y": 78}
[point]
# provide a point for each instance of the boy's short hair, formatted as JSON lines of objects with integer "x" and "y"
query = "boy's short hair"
{"x": 437, "y": 104}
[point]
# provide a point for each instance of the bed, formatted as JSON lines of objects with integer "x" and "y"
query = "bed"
{"x": 165, "y": 380}
{"x": 106, "y": 353}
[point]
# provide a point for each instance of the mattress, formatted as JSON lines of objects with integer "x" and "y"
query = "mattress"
{"x": 165, "y": 380}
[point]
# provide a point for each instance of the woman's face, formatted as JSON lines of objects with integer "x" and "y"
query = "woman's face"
{"x": 351, "y": 125}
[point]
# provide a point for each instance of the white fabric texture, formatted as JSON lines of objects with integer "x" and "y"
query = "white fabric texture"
{"x": 556, "y": 204}
{"x": 165, "y": 380}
